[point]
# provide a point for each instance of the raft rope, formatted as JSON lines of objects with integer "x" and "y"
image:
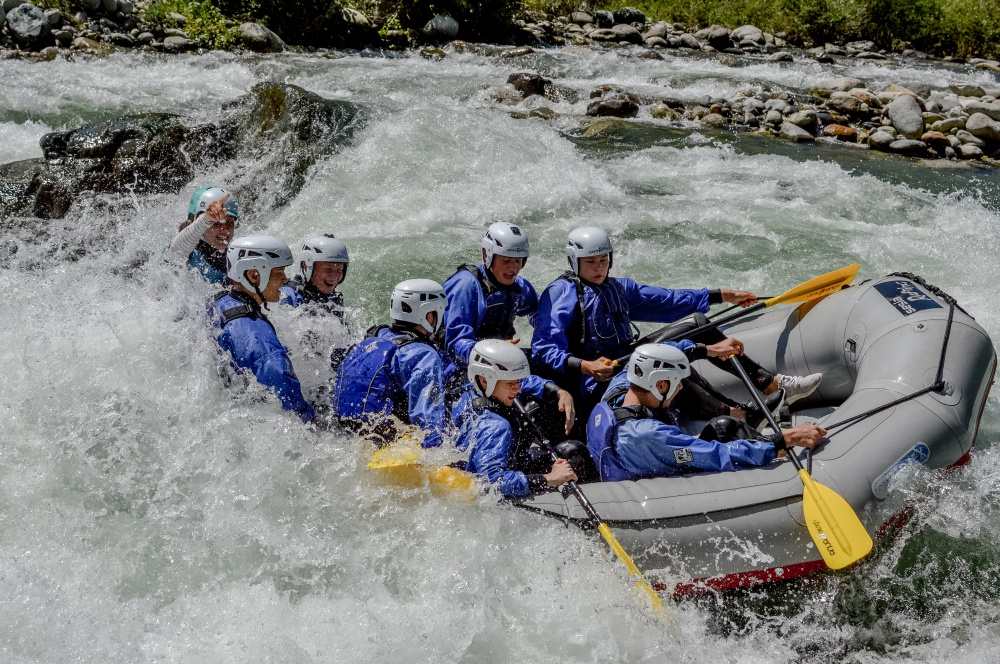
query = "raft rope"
{"x": 939, "y": 385}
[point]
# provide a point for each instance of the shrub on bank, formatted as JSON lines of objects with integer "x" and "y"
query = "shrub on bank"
{"x": 204, "y": 23}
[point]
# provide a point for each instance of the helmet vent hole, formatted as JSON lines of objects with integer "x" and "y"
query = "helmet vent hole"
{"x": 405, "y": 307}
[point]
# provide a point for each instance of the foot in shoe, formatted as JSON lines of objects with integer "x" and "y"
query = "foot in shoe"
{"x": 799, "y": 387}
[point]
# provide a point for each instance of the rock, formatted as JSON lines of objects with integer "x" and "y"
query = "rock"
{"x": 863, "y": 45}
{"x": 969, "y": 151}
{"x": 805, "y": 119}
{"x": 11, "y": 4}
{"x": 965, "y": 137}
{"x": 906, "y": 116}
{"x": 908, "y": 147}
{"x": 63, "y": 37}
{"x": 717, "y": 36}
{"x": 174, "y": 44}
{"x": 966, "y": 90}
{"x": 528, "y": 83}
{"x": 615, "y": 104}
{"x": 441, "y": 28}
{"x": 833, "y": 49}
{"x": 989, "y": 66}
{"x": 90, "y": 6}
{"x": 773, "y": 118}
{"x": 658, "y": 29}
{"x": 175, "y": 32}
{"x": 780, "y": 56}
{"x": 661, "y": 111}
{"x": 86, "y": 44}
{"x": 779, "y": 105}
{"x": 935, "y": 139}
{"x": 517, "y": 52}
{"x": 126, "y": 7}
{"x": 713, "y": 120}
{"x": 581, "y": 18}
{"x": 650, "y": 55}
{"x": 992, "y": 109}
{"x": 881, "y": 140}
{"x": 625, "y": 32}
{"x": 947, "y": 124}
{"x": 28, "y": 26}
{"x": 628, "y": 15}
{"x": 866, "y": 97}
{"x": 258, "y": 38}
{"x": 982, "y": 126}
{"x": 656, "y": 42}
{"x": 795, "y": 133}
{"x": 179, "y": 20}
{"x": 688, "y": 40}
{"x": 53, "y": 17}
{"x": 848, "y": 104}
{"x": 824, "y": 88}
{"x": 870, "y": 55}
{"x": 120, "y": 39}
{"x": 748, "y": 33}
{"x": 603, "y": 35}
{"x": 604, "y": 19}
{"x": 109, "y": 6}
{"x": 841, "y": 133}
{"x": 432, "y": 53}
{"x": 145, "y": 38}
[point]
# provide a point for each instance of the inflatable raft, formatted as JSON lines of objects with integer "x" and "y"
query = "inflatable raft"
{"x": 906, "y": 376}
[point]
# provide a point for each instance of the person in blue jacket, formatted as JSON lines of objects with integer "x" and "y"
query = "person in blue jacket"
{"x": 256, "y": 272}
{"x": 585, "y": 318}
{"x": 322, "y": 268}
{"x": 635, "y": 434}
{"x": 484, "y": 299}
{"x": 201, "y": 241}
{"x": 500, "y": 445}
{"x": 397, "y": 370}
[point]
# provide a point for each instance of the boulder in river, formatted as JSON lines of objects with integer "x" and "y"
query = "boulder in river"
{"x": 969, "y": 151}
{"x": 947, "y": 124}
{"x": 992, "y": 109}
{"x": 658, "y": 29}
{"x": 604, "y": 19}
{"x": 848, "y": 104}
{"x": 615, "y": 104}
{"x": 906, "y": 115}
{"x": 28, "y": 26}
{"x": 984, "y": 127}
{"x": 628, "y": 15}
{"x": 805, "y": 119}
{"x": 748, "y": 33}
{"x": 717, "y": 36}
{"x": 881, "y": 140}
{"x": 841, "y": 133}
{"x": 528, "y": 83}
{"x": 687, "y": 40}
{"x": 967, "y": 90}
{"x": 795, "y": 133}
{"x": 936, "y": 140}
{"x": 581, "y": 18}
{"x": 964, "y": 137}
{"x": 625, "y": 32}
{"x": 908, "y": 147}
{"x": 441, "y": 28}
{"x": 174, "y": 44}
{"x": 258, "y": 38}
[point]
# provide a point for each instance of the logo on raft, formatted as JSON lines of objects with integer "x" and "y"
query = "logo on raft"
{"x": 919, "y": 453}
{"x": 906, "y": 296}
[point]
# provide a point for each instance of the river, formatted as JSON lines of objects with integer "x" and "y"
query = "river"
{"x": 147, "y": 514}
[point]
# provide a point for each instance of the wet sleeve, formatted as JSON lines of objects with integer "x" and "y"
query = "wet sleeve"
{"x": 461, "y": 317}
{"x": 662, "y": 305}
{"x": 421, "y": 371}
{"x": 490, "y": 452}
{"x": 528, "y": 305}
{"x": 290, "y": 296}
{"x": 188, "y": 237}
{"x": 255, "y": 347}
{"x": 662, "y": 449}
{"x": 550, "y": 343}
{"x": 535, "y": 387}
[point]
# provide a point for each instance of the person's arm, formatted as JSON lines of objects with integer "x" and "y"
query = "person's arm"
{"x": 665, "y": 305}
{"x": 538, "y": 389}
{"x": 290, "y": 296}
{"x": 421, "y": 371}
{"x": 462, "y": 315}
{"x": 528, "y": 305}
{"x": 492, "y": 441}
{"x": 667, "y": 446}
{"x": 549, "y": 342}
{"x": 188, "y": 237}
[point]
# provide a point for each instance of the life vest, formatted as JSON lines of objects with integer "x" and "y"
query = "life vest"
{"x": 365, "y": 388}
{"x": 602, "y": 436}
{"x": 211, "y": 264}
{"x": 587, "y": 341}
{"x": 247, "y": 308}
{"x": 501, "y": 303}
{"x": 526, "y": 453}
{"x": 332, "y": 303}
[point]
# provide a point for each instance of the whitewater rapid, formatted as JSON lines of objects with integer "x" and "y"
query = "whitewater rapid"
{"x": 147, "y": 514}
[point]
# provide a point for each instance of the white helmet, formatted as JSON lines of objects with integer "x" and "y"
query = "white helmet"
{"x": 323, "y": 249}
{"x": 494, "y": 360}
{"x": 256, "y": 252}
{"x": 213, "y": 195}
{"x": 585, "y": 242}
{"x": 652, "y": 363}
{"x": 503, "y": 239}
{"x": 413, "y": 299}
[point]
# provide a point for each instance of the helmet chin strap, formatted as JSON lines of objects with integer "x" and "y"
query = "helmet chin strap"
{"x": 263, "y": 302}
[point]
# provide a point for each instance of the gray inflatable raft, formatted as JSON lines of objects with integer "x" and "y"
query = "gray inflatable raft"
{"x": 876, "y": 343}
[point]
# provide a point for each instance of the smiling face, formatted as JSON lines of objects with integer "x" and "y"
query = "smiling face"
{"x": 594, "y": 269}
{"x": 506, "y": 391}
{"x": 220, "y": 234}
{"x": 327, "y": 276}
{"x": 273, "y": 291}
{"x": 505, "y": 269}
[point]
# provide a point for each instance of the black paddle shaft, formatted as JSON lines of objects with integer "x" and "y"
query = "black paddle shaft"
{"x": 547, "y": 444}
{"x": 759, "y": 400}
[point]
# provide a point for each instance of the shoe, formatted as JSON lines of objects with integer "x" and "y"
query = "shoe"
{"x": 798, "y": 387}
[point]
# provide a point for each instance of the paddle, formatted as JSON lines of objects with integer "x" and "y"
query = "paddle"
{"x": 839, "y": 535}
{"x": 811, "y": 289}
{"x": 595, "y": 519}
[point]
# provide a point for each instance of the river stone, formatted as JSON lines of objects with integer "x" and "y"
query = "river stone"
{"x": 28, "y": 26}
{"x": 984, "y": 127}
{"x": 87, "y": 44}
{"x": 604, "y": 35}
{"x": 174, "y": 44}
{"x": 935, "y": 139}
{"x": 865, "y": 96}
{"x": 717, "y": 36}
{"x": 656, "y": 42}
{"x": 846, "y": 103}
{"x": 109, "y": 6}
{"x": 581, "y": 18}
{"x": 145, "y": 38}
{"x": 64, "y": 37}
{"x": 909, "y": 147}
{"x": 11, "y": 4}
{"x": 658, "y": 29}
{"x": 528, "y": 83}
{"x": 174, "y": 32}
{"x": 947, "y": 124}
{"x": 120, "y": 39}
{"x": 779, "y": 105}
{"x": 967, "y": 90}
{"x": 906, "y": 115}
{"x": 881, "y": 140}
{"x": 260, "y": 39}
{"x": 628, "y": 15}
{"x": 794, "y": 133}
{"x": 748, "y": 33}
{"x": 965, "y": 137}
{"x": 615, "y": 104}
{"x": 53, "y": 17}
{"x": 714, "y": 120}
{"x": 442, "y": 27}
{"x": 687, "y": 40}
{"x": 841, "y": 133}
{"x": 780, "y": 56}
{"x": 825, "y": 87}
{"x": 625, "y": 32}
{"x": 969, "y": 151}
{"x": 992, "y": 109}
{"x": 805, "y": 119}
{"x": 603, "y": 19}
{"x": 870, "y": 55}
{"x": 126, "y": 7}
{"x": 661, "y": 111}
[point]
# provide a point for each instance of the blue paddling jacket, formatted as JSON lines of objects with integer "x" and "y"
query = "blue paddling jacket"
{"x": 392, "y": 372}
{"x": 253, "y": 346}
{"x": 579, "y": 321}
{"x": 532, "y": 387}
{"x": 209, "y": 263}
{"x": 481, "y": 308}
{"x": 298, "y": 292}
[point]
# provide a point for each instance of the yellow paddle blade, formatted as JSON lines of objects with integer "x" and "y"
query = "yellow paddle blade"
{"x": 839, "y": 535}
{"x": 640, "y": 581}
{"x": 449, "y": 481}
{"x": 399, "y": 466}
{"x": 817, "y": 287}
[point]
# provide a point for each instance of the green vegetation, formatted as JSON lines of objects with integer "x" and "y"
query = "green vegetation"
{"x": 204, "y": 20}
{"x": 959, "y": 27}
